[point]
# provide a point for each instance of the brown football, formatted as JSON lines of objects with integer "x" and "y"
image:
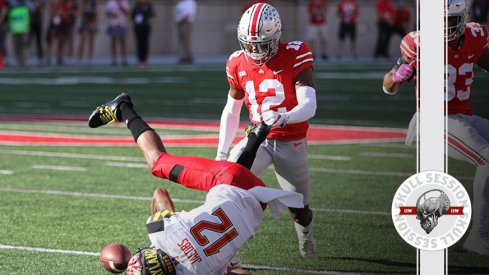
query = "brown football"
{"x": 115, "y": 257}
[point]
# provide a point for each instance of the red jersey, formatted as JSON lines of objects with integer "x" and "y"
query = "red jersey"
{"x": 317, "y": 12}
{"x": 403, "y": 15}
{"x": 386, "y": 11}
{"x": 460, "y": 67}
{"x": 271, "y": 86}
{"x": 59, "y": 13}
{"x": 348, "y": 10}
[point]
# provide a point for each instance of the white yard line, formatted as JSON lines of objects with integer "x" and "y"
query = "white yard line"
{"x": 69, "y": 155}
{"x": 39, "y": 249}
{"x": 140, "y": 165}
{"x": 329, "y": 157}
{"x": 90, "y": 195}
{"x": 144, "y": 166}
{"x": 390, "y": 145}
{"x": 302, "y": 271}
{"x": 126, "y": 164}
{"x": 387, "y": 155}
{"x": 141, "y": 198}
{"x": 6, "y": 172}
{"x": 361, "y": 172}
{"x": 272, "y": 268}
{"x": 59, "y": 168}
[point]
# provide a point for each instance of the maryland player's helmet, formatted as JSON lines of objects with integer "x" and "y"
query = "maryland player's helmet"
{"x": 259, "y": 32}
{"x": 456, "y": 13}
{"x": 151, "y": 261}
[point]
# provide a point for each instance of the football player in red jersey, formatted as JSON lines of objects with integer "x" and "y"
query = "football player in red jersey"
{"x": 275, "y": 81}
{"x": 467, "y": 133}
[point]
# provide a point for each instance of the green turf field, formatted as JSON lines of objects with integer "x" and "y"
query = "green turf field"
{"x": 59, "y": 205}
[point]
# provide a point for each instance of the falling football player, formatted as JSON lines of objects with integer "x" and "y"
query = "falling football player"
{"x": 205, "y": 239}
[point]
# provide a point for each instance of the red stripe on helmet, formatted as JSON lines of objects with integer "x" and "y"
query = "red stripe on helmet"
{"x": 255, "y": 23}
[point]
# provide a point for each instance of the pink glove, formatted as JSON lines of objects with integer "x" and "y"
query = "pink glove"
{"x": 403, "y": 73}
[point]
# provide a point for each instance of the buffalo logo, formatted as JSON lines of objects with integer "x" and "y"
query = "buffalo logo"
{"x": 431, "y": 206}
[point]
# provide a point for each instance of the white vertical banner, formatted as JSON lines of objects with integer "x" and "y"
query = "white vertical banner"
{"x": 431, "y": 116}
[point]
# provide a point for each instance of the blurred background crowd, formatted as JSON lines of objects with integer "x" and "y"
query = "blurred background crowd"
{"x": 129, "y": 32}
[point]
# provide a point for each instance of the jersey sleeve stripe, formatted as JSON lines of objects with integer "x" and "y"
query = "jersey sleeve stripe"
{"x": 302, "y": 62}
{"x": 303, "y": 55}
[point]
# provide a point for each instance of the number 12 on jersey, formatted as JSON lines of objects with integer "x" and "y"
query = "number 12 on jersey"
{"x": 270, "y": 99}
{"x": 224, "y": 225}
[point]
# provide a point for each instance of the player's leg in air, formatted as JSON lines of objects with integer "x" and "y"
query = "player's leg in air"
{"x": 192, "y": 172}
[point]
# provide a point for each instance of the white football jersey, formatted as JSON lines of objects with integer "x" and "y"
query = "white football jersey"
{"x": 205, "y": 239}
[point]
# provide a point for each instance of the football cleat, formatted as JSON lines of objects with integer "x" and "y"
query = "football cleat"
{"x": 260, "y": 130}
{"x": 307, "y": 245}
{"x": 477, "y": 243}
{"x": 108, "y": 112}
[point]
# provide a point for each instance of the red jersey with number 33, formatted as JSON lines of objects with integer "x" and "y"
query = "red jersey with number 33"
{"x": 271, "y": 86}
{"x": 460, "y": 67}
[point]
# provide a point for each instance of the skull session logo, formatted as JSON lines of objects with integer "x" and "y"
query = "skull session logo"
{"x": 431, "y": 210}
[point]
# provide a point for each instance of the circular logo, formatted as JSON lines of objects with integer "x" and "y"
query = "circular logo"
{"x": 431, "y": 210}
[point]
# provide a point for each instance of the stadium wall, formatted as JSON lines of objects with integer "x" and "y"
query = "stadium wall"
{"x": 214, "y": 31}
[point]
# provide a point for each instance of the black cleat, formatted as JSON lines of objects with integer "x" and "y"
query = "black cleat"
{"x": 108, "y": 112}
{"x": 260, "y": 130}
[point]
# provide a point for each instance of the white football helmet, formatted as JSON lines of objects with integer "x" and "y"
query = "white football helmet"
{"x": 455, "y": 22}
{"x": 259, "y": 32}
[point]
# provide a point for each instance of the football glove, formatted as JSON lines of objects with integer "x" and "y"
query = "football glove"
{"x": 221, "y": 156}
{"x": 403, "y": 73}
{"x": 273, "y": 119}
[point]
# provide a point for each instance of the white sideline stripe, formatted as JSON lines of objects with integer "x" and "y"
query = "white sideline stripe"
{"x": 61, "y": 251}
{"x": 330, "y": 157}
{"x": 387, "y": 155}
{"x": 38, "y": 249}
{"x": 59, "y": 168}
{"x": 297, "y": 270}
{"x": 141, "y": 198}
{"x": 6, "y": 172}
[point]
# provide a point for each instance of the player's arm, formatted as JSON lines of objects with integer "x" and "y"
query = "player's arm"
{"x": 389, "y": 86}
{"x": 483, "y": 61}
{"x": 229, "y": 121}
{"x": 306, "y": 103}
{"x": 393, "y": 79}
{"x": 161, "y": 201}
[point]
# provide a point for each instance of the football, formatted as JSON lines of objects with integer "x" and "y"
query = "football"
{"x": 115, "y": 257}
